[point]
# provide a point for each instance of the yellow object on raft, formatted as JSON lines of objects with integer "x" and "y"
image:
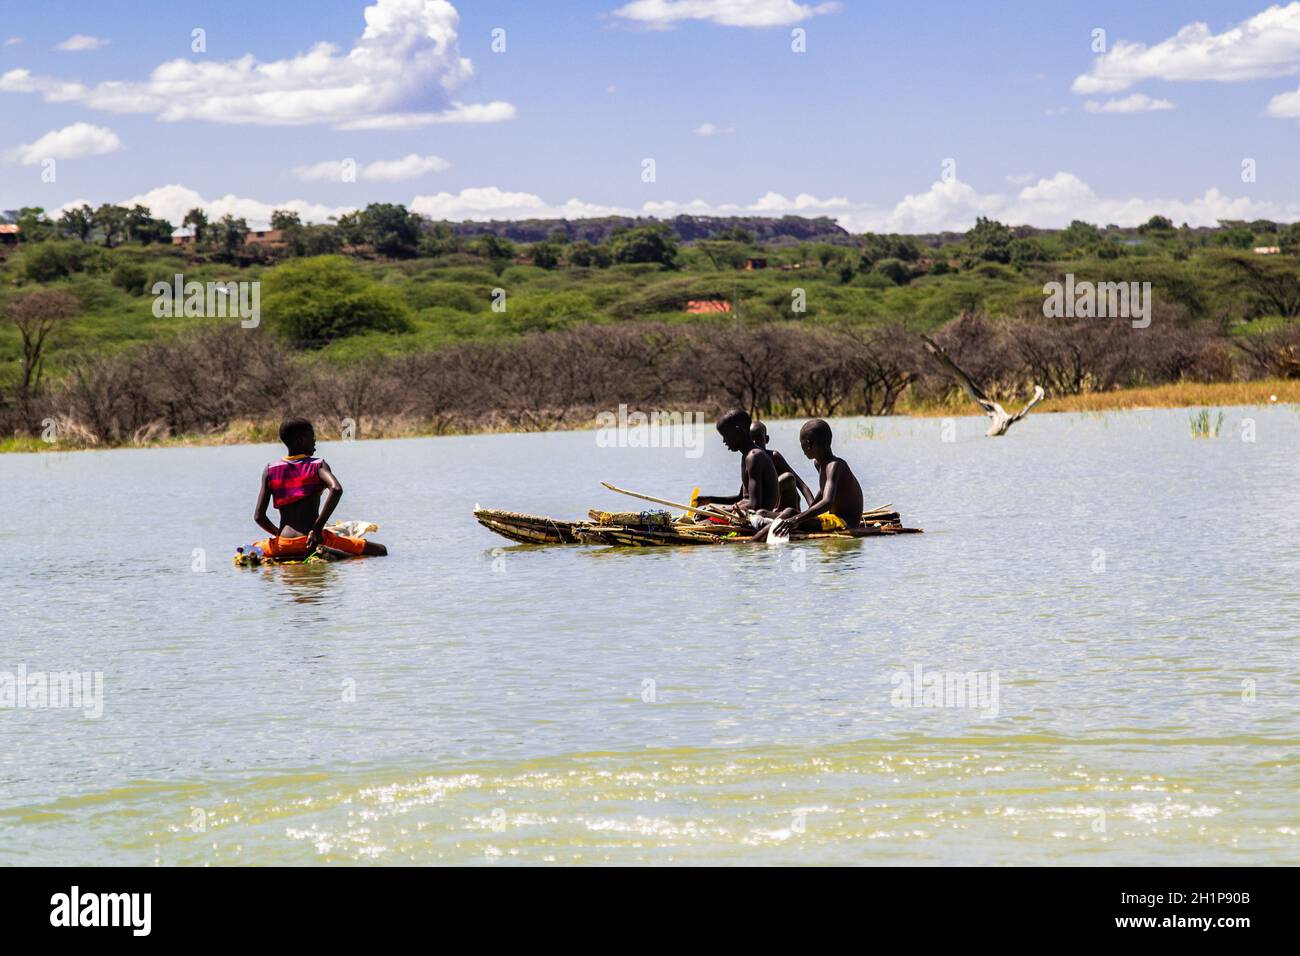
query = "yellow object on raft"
{"x": 830, "y": 522}
{"x": 635, "y": 518}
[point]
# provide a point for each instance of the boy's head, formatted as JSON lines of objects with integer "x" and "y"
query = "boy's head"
{"x": 298, "y": 436}
{"x": 734, "y": 429}
{"x": 758, "y": 434}
{"x": 815, "y": 439}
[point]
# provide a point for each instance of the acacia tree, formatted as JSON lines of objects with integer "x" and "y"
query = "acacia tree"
{"x": 79, "y": 222}
{"x": 645, "y": 244}
{"x": 142, "y": 227}
{"x": 1274, "y": 281}
{"x": 230, "y": 235}
{"x": 197, "y": 221}
{"x": 35, "y": 225}
{"x": 111, "y": 221}
{"x": 36, "y": 315}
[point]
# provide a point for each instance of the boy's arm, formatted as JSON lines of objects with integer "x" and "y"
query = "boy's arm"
{"x": 263, "y": 500}
{"x": 721, "y": 499}
{"x": 333, "y": 492}
{"x": 717, "y": 499}
{"x": 782, "y": 465}
{"x": 822, "y": 505}
{"x": 753, "y": 491}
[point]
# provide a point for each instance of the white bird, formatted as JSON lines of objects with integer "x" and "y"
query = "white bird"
{"x": 1001, "y": 421}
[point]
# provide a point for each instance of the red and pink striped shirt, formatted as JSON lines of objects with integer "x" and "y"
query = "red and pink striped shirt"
{"x": 294, "y": 478}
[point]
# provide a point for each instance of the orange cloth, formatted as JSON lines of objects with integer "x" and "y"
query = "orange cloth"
{"x": 297, "y": 547}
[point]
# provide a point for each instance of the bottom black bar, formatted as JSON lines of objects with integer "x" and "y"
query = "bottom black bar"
{"x": 326, "y": 905}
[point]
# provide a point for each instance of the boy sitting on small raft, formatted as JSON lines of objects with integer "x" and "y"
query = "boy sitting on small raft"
{"x": 789, "y": 485}
{"x": 758, "y": 479}
{"x": 838, "y": 506}
{"x": 294, "y": 485}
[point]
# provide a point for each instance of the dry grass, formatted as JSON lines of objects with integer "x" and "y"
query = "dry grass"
{"x": 1179, "y": 395}
{"x": 1174, "y": 395}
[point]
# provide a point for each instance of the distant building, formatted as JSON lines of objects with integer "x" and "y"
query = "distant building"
{"x": 707, "y": 306}
{"x": 1267, "y": 250}
{"x": 271, "y": 238}
{"x": 8, "y": 237}
{"x": 267, "y": 238}
{"x": 752, "y": 264}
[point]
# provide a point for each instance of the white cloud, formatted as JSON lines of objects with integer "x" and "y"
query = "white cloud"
{"x": 172, "y": 202}
{"x": 1267, "y": 44}
{"x": 13, "y": 41}
{"x": 664, "y": 14}
{"x": 1285, "y": 105}
{"x": 945, "y": 207}
{"x": 399, "y": 170}
{"x": 712, "y": 129}
{"x": 484, "y": 203}
{"x": 769, "y": 204}
{"x": 1133, "y": 103}
{"x": 328, "y": 171}
{"x": 80, "y": 43}
{"x": 380, "y": 171}
{"x": 1053, "y": 203}
{"x": 71, "y": 142}
{"x": 400, "y": 74}
{"x": 1019, "y": 179}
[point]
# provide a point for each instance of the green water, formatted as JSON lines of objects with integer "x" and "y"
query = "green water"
{"x": 1132, "y": 590}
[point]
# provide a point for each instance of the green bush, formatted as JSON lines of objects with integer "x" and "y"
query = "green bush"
{"x": 895, "y": 270}
{"x": 313, "y": 302}
{"x": 545, "y": 311}
{"x": 51, "y": 261}
{"x": 130, "y": 278}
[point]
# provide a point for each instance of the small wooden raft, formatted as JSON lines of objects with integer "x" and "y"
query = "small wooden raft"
{"x": 652, "y": 530}
{"x": 527, "y": 529}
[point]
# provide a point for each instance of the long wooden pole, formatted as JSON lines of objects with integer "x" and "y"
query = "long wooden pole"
{"x": 883, "y": 509}
{"x": 671, "y": 504}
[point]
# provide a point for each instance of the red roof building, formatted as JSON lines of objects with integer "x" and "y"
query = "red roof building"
{"x": 707, "y": 306}
{"x": 8, "y": 237}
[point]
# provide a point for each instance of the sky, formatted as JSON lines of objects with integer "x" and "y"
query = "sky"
{"x": 887, "y": 117}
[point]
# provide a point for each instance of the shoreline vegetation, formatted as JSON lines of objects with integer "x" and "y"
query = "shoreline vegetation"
{"x": 1218, "y": 396}
{"x": 385, "y": 324}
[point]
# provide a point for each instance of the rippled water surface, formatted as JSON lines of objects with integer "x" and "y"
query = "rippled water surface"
{"x": 1133, "y": 591}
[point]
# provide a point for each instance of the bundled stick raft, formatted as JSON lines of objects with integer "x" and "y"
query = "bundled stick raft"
{"x": 650, "y": 529}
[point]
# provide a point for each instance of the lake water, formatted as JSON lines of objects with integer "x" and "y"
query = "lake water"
{"x": 1132, "y": 591}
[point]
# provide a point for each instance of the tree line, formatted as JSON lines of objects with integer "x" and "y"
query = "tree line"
{"x": 211, "y": 380}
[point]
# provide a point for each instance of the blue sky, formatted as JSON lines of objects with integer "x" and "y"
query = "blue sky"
{"x": 1041, "y": 128}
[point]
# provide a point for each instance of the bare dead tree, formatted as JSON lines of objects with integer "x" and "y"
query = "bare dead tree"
{"x": 1001, "y": 422}
{"x": 36, "y": 315}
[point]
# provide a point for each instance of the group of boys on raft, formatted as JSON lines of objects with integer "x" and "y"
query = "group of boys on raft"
{"x": 769, "y": 498}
